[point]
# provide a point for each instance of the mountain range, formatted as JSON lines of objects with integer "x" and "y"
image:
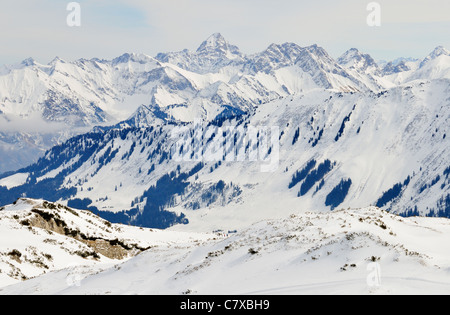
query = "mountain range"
{"x": 351, "y": 133}
{"x": 357, "y": 251}
{"x": 216, "y": 172}
{"x": 42, "y": 105}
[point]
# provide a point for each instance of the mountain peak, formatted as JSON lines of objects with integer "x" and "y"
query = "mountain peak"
{"x": 285, "y": 48}
{"x": 352, "y": 52}
{"x": 144, "y": 116}
{"x": 391, "y": 68}
{"x": 28, "y": 62}
{"x": 274, "y": 57}
{"x": 439, "y": 51}
{"x": 132, "y": 57}
{"x": 217, "y": 43}
{"x": 317, "y": 51}
{"x": 55, "y": 61}
{"x": 216, "y": 37}
{"x": 123, "y": 58}
{"x": 216, "y": 40}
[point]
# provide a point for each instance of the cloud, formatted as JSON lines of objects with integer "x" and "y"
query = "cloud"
{"x": 34, "y": 123}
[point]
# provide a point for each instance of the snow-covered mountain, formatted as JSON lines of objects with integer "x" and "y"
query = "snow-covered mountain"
{"x": 38, "y": 237}
{"x": 355, "y": 60}
{"x": 354, "y": 251}
{"x": 211, "y": 56}
{"x": 91, "y": 92}
{"x": 433, "y": 67}
{"x": 322, "y": 150}
{"x": 61, "y": 97}
{"x": 64, "y": 98}
{"x": 436, "y": 53}
{"x": 247, "y": 162}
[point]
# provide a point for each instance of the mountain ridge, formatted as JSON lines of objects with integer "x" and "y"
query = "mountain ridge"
{"x": 326, "y": 111}
{"x": 352, "y": 251}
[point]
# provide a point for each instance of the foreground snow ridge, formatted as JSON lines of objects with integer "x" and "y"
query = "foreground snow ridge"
{"x": 354, "y": 251}
{"x": 39, "y": 237}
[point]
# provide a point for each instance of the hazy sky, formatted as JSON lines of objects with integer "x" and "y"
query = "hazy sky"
{"x": 38, "y": 28}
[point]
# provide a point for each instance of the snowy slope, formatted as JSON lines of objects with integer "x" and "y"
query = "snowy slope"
{"x": 388, "y": 149}
{"x": 38, "y": 237}
{"x": 355, "y": 251}
{"x": 354, "y": 59}
{"x": 216, "y": 140}
{"x": 64, "y": 98}
{"x": 434, "y": 66}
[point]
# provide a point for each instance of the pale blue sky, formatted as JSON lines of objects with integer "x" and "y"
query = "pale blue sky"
{"x": 28, "y": 28}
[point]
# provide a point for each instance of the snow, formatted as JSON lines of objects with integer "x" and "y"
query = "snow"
{"x": 14, "y": 180}
{"x": 392, "y": 124}
{"x": 395, "y": 141}
{"x": 42, "y": 250}
{"x": 53, "y": 173}
{"x": 401, "y": 135}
